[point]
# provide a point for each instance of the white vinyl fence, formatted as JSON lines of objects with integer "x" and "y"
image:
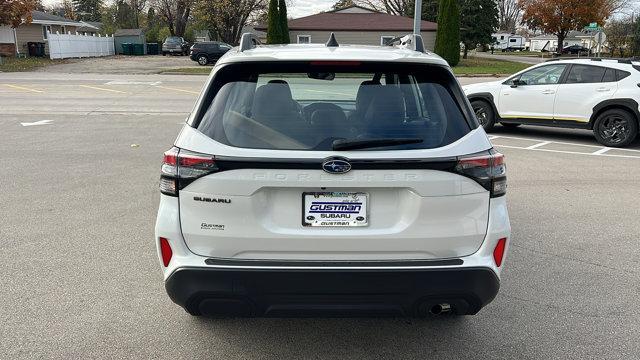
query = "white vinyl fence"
{"x": 62, "y": 46}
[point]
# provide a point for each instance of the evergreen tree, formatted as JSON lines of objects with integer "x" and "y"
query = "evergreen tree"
{"x": 88, "y": 10}
{"x": 636, "y": 39}
{"x": 448, "y": 35}
{"x": 284, "y": 23}
{"x": 273, "y": 24}
{"x": 429, "y": 10}
{"x": 478, "y": 19}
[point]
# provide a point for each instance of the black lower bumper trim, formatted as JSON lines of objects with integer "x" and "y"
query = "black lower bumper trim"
{"x": 327, "y": 264}
{"x": 278, "y": 293}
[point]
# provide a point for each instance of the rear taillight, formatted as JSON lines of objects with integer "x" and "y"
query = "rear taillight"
{"x": 181, "y": 167}
{"x": 488, "y": 169}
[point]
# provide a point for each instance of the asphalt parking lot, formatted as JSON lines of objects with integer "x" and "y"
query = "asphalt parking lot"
{"x": 79, "y": 192}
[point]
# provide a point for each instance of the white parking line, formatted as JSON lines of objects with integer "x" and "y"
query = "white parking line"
{"x": 569, "y": 152}
{"x": 37, "y": 123}
{"x": 561, "y": 143}
{"x": 535, "y": 146}
{"x": 601, "y": 151}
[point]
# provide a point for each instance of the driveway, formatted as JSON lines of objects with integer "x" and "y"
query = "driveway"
{"x": 121, "y": 64}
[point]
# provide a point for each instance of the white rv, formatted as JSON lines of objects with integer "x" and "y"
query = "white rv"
{"x": 508, "y": 42}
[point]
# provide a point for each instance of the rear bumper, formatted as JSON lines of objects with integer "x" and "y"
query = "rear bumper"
{"x": 330, "y": 292}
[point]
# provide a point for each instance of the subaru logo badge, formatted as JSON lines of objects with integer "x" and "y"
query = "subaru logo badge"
{"x": 336, "y": 166}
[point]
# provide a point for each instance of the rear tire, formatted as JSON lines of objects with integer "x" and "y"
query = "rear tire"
{"x": 615, "y": 128}
{"x": 484, "y": 114}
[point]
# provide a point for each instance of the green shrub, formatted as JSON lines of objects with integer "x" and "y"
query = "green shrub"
{"x": 448, "y": 35}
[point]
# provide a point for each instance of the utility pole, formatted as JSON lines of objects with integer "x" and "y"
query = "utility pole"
{"x": 417, "y": 17}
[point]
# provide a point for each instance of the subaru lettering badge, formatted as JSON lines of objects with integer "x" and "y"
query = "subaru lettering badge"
{"x": 336, "y": 166}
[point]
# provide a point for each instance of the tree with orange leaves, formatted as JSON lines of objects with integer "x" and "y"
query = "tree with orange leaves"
{"x": 15, "y": 12}
{"x": 558, "y": 17}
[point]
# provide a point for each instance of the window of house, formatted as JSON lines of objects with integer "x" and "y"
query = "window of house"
{"x": 501, "y": 37}
{"x": 304, "y": 39}
{"x": 45, "y": 29}
{"x": 385, "y": 39}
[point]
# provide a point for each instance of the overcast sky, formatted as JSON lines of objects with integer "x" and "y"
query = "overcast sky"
{"x": 296, "y": 8}
{"x": 299, "y": 8}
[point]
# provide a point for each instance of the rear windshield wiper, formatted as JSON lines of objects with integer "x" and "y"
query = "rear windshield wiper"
{"x": 346, "y": 144}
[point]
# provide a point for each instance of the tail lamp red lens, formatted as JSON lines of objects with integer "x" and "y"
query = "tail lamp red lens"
{"x": 165, "y": 251}
{"x": 498, "y": 251}
{"x": 181, "y": 167}
{"x": 488, "y": 169}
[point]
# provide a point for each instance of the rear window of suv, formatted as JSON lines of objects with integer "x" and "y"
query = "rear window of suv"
{"x": 314, "y": 106}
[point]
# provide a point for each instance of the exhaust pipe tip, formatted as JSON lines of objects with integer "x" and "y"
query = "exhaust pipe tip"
{"x": 439, "y": 309}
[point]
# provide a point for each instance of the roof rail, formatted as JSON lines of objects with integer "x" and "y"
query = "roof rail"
{"x": 248, "y": 42}
{"x": 619, "y": 60}
{"x": 410, "y": 41}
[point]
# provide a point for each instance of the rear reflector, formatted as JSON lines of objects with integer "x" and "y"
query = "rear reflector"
{"x": 498, "y": 252}
{"x": 165, "y": 251}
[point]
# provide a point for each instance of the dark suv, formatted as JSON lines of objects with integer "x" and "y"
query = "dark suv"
{"x": 208, "y": 51}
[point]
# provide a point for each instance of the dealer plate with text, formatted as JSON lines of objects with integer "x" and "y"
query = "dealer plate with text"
{"x": 336, "y": 209}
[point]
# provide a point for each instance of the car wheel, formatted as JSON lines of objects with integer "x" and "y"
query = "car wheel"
{"x": 615, "y": 128}
{"x": 484, "y": 114}
{"x": 510, "y": 125}
{"x": 164, "y": 53}
{"x": 202, "y": 60}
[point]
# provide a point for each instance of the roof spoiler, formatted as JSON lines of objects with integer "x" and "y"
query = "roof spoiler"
{"x": 248, "y": 42}
{"x": 411, "y": 41}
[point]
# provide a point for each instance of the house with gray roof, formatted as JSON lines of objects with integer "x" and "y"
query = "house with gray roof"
{"x": 37, "y": 31}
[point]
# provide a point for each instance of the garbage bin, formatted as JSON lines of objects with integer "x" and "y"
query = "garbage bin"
{"x": 36, "y": 49}
{"x": 127, "y": 48}
{"x": 41, "y": 49}
{"x": 152, "y": 49}
{"x": 138, "y": 49}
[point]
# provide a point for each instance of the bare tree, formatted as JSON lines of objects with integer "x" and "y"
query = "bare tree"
{"x": 394, "y": 7}
{"x": 509, "y": 14}
{"x": 174, "y": 13}
{"x": 619, "y": 35}
{"x": 227, "y": 17}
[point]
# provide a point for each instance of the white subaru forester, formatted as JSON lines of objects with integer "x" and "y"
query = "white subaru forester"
{"x": 332, "y": 180}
